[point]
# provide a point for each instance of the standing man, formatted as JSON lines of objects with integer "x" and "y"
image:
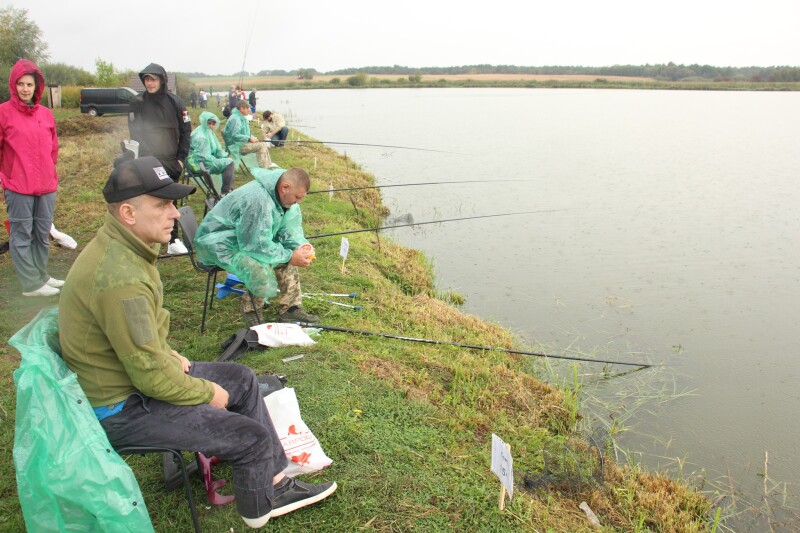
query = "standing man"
{"x": 193, "y": 98}
{"x": 113, "y": 331}
{"x": 256, "y": 233}
{"x": 276, "y": 128}
{"x": 159, "y": 122}
{"x": 240, "y": 140}
{"x": 252, "y": 99}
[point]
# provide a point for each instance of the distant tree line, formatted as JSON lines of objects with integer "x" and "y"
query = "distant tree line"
{"x": 666, "y": 71}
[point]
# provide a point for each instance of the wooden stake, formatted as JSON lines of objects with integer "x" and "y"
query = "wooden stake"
{"x": 502, "y": 502}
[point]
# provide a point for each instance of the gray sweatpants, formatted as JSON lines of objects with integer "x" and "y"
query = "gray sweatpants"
{"x": 30, "y": 218}
{"x": 242, "y": 434}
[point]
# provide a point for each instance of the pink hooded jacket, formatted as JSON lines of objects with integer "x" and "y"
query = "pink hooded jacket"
{"x": 28, "y": 140}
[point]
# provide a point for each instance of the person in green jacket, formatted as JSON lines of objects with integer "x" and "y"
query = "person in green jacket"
{"x": 205, "y": 149}
{"x": 238, "y": 138}
{"x": 256, "y": 233}
{"x": 113, "y": 331}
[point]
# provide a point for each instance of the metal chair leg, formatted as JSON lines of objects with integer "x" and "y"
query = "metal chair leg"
{"x": 205, "y": 303}
{"x": 187, "y": 489}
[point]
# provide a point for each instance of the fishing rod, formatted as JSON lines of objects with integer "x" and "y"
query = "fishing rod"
{"x": 365, "y": 144}
{"x": 412, "y": 185}
{"x": 469, "y": 346}
{"x": 434, "y": 222}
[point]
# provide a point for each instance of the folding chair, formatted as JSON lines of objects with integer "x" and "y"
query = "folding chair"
{"x": 203, "y": 181}
{"x": 177, "y": 459}
{"x": 188, "y": 223}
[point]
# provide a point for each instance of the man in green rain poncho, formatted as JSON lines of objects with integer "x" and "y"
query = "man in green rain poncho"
{"x": 256, "y": 233}
{"x": 205, "y": 149}
{"x": 240, "y": 141}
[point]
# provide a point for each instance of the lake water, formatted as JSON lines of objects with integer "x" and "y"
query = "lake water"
{"x": 672, "y": 239}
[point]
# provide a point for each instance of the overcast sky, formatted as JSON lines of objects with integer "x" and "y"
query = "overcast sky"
{"x": 211, "y": 36}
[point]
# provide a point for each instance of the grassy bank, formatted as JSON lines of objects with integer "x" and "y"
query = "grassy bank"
{"x": 408, "y": 425}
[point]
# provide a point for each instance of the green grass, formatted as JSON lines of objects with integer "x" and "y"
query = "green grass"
{"x": 408, "y": 426}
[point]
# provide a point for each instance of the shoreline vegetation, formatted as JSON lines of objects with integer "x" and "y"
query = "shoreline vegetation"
{"x": 530, "y": 81}
{"x": 408, "y": 426}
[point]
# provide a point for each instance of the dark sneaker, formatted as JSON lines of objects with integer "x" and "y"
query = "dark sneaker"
{"x": 298, "y": 315}
{"x": 291, "y": 495}
{"x": 251, "y": 318}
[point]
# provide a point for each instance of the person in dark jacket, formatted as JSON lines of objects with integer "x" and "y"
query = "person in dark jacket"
{"x": 159, "y": 122}
{"x": 252, "y": 100}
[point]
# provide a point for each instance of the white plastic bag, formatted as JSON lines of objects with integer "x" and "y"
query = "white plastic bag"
{"x": 301, "y": 447}
{"x": 277, "y": 334}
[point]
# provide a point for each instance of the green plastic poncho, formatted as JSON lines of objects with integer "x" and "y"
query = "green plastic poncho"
{"x": 235, "y": 133}
{"x": 205, "y": 147}
{"x": 69, "y": 478}
{"x": 248, "y": 233}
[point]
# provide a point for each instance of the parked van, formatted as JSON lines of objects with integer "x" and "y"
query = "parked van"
{"x": 97, "y": 101}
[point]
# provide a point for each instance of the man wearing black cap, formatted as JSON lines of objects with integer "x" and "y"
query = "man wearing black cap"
{"x": 113, "y": 332}
{"x": 159, "y": 122}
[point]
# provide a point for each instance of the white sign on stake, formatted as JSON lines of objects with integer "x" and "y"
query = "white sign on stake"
{"x": 343, "y": 250}
{"x": 503, "y": 467}
{"x": 330, "y": 192}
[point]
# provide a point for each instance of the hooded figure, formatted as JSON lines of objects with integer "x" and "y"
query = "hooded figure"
{"x": 249, "y": 233}
{"x": 159, "y": 122}
{"x": 205, "y": 149}
{"x": 28, "y": 156}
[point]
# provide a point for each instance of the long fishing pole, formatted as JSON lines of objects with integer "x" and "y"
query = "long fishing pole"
{"x": 365, "y": 144}
{"x": 469, "y": 346}
{"x": 412, "y": 185}
{"x": 434, "y": 222}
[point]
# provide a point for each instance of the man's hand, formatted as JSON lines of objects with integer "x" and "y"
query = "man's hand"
{"x": 184, "y": 362}
{"x": 181, "y": 164}
{"x": 302, "y": 257}
{"x": 253, "y": 139}
{"x": 220, "y": 399}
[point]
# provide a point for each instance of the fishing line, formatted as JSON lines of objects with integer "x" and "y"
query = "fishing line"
{"x": 470, "y": 346}
{"x": 435, "y": 222}
{"x": 365, "y": 144}
{"x": 247, "y": 43}
{"x": 414, "y": 185}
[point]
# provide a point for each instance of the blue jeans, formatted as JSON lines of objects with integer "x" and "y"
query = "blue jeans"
{"x": 242, "y": 434}
{"x": 279, "y": 137}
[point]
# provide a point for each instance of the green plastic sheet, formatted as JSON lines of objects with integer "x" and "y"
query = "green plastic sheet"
{"x": 69, "y": 478}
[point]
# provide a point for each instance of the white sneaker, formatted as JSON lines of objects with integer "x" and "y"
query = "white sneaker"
{"x": 177, "y": 247}
{"x": 272, "y": 165}
{"x": 44, "y": 290}
{"x": 55, "y": 283}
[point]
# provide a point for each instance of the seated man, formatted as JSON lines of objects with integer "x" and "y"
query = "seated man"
{"x": 276, "y": 128}
{"x": 205, "y": 149}
{"x": 256, "y": 233}
{"x": 113, "y": 332}
{"x": 239, "y": 139}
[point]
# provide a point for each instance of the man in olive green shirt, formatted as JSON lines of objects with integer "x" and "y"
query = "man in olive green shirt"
{"x": 113, "y": 331}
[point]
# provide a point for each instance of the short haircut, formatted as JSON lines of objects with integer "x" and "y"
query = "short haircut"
{"x": 113, "y": 207}
{"x": 243, "y": 104}
{"x": 297, "y": 177}
{"x": 266, "y": 114}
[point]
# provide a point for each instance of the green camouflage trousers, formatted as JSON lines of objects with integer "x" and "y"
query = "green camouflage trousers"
{"x": 288, "y": 278}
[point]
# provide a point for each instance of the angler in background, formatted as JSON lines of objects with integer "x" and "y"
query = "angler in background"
{"x": 252, "y": 100}
{"x": 256, "y": 233}
{"x": 276, "y": 131}
{"x": 205, "y": 149}
{"x": 28, "y": 155}
{"x": 238, "y": 138}
{"x": 159, "y": 122}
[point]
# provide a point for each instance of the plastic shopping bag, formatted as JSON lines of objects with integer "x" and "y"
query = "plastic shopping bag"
{"x": 277, "y": 334}
{"x": 302, "y": 448}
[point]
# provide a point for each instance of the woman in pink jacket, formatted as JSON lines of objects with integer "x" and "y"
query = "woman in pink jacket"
{"x": 28, "y": 154}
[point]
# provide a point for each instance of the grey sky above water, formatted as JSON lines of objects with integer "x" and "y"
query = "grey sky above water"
{"x": 212, "y": 36}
